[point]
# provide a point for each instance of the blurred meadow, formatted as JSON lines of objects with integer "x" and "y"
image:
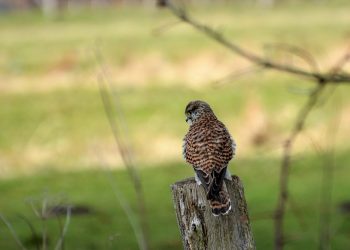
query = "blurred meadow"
{"x": 55, "y": 139}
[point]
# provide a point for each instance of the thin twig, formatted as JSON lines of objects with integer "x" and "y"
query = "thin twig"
{"x": 32, "y": 229}
{"x": 123, "y": 202}
{"x": 252, "y": 57}
{"x": 326, "y": 201}
{"x": 12, "y": 231}
{"x": 65, "y": 229}
{"x": 120, "y": 134}
{"x": 161, "y": 29}
{"x": 60, "y": 228}
{"x": 285, "y": 164}
{"x": 132, "y": 173}
{"x": 344, "y": 59}
{"x": 43, "y": 218}
{"x": 104, "y": 86}
{"x": 35, "y": 211}
{"x": 327, "y": 186}
{"x": 297, "y": 51}
{"x": 237, "y": 74}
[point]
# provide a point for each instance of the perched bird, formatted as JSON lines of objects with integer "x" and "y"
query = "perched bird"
{"x": 208, "y": 147}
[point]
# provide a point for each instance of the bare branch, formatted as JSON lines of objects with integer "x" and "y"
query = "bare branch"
{"x": 119, "y": 130}
{"x": 285, "y": 165}
{"x": 297, "y": 51}
{"x": 60, "y": 228}
{"x": 64, "y": 231}
{"x": 341, "y": 63}
{"x": 32, "y": 229}
{"x": 327, "y": 185}
{"x": 237, "y": 74}
{"x": 252, "y": 57}
{"x": 124, "y": 204}
{"x": 43, "y": 218}
{"x": 12, "y": 231}
{"x": 130, "y": 167}
{"x": 161, "y": 29}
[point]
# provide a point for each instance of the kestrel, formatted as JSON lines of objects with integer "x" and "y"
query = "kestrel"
{"x": 208, "y": 147}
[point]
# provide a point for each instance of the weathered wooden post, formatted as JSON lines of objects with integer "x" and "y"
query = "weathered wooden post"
{"x": 200, "y": 229}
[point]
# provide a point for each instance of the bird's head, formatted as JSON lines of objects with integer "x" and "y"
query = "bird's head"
{"x": 195, "y": 110}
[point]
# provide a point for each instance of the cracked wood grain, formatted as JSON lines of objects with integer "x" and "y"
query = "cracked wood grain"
{"x": 200, "y": 229}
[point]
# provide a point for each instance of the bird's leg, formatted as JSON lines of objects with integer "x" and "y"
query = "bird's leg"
{"x": 198, "y": 181}
{"x": 228, "y": 175}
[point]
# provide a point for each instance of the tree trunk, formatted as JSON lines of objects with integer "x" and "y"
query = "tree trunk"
{"x": 200, "y": 229}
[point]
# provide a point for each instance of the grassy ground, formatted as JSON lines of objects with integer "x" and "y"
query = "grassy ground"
{"x": 25, "y": 36}
{"x": 53, "y": 127}
{"x": 108, "y": 228}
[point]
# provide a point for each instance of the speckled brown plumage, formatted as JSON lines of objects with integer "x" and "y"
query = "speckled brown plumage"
{"x": 208, "y": 147}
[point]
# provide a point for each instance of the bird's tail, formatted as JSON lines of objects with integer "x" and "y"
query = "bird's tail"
{"x": 220, "y": 202}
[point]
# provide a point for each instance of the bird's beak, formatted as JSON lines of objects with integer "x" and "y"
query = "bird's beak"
{"x": 187, "y": 119}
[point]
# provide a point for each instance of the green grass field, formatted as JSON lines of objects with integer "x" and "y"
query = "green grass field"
{"x": 54, "y": 132}
{"x": 107, "y": 227}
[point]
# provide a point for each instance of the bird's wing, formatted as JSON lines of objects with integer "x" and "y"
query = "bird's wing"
{"x": 221, "y": 149}
{"x": 184, "y": 143}
{"x": 209, "y": 153}
{"x": 234, "y": 146}
{"x": 221, "y": 146}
